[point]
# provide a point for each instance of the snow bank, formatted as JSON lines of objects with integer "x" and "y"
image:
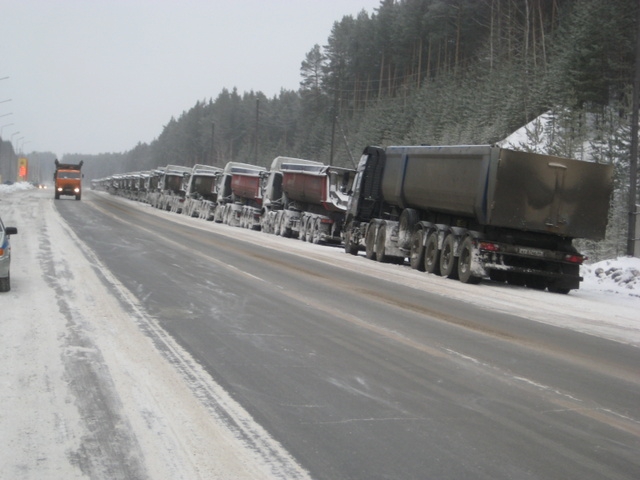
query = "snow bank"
{"x": 15, "y": 187}
{"x": 620, "y": 276}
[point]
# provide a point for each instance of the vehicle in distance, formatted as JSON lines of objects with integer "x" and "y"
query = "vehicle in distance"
{"x": 68, "y": 179}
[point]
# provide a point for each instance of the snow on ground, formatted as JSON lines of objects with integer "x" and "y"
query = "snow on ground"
{"x": 84, "y": 393}
{"x": 619, "y": 276}
{"x": 59, "y": 319}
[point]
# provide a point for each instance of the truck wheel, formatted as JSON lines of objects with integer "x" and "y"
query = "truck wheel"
{"x": 78, "y": 197}
{"x": 416, "y": 255}
{"x": 284, "y": 230}
{"x": 349, "y": 247}
{"x": 304, "y": 228}
{"x": 448, "y": 261}
{"x": 432, "y": 254}
{"x": 309, "y": 230}
{"x": 381, "y": 239}
{"x": 57, "y": 196}
{"x": 465, "y": 263}
{"x": 276, "y": 223}
{"x": 317, "y": 231}
{"x": 369, "y": 243}
{"x": 264, "y": 223}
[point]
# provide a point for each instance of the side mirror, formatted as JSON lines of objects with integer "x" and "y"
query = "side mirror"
{"x": 11, "y": 230}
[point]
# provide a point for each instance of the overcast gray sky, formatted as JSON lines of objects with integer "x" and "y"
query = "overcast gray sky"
{"x": 95, "y": 76}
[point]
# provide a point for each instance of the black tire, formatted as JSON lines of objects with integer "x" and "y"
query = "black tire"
{"x": 57, "y": 196}
{"x": 309, "y": 233}
{"x": 264, "y": 223}
{"x": 370, "y": 243}
{"x": 5, "y": 283}
{"x": 78, "y": 197}
{"x": 349, "y": 247}
{"x": 315, "y": 232}
{"x": 276, "y": 223}
{"x": 432, "y": 254}
{"x": 416, "y": 255}
{"x": 302, "y": 233}
{"x": 381, "y": 239}
{"x": 284, "y": 230}
{"x": 465, "y": 263}
{"x": 448, "y": 260}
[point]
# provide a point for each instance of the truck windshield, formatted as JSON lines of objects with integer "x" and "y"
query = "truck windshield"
{"x": 68, "y": 174}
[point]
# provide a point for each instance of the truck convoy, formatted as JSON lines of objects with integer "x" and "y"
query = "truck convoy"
{"x": 470, "y": 212}
{"x": 463, "y": 212}
{"x": 67, "y": 179}
{"x": 306, "y": 200}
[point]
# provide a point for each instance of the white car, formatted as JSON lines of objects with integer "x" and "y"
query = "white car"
{"x": 5, "y": 256}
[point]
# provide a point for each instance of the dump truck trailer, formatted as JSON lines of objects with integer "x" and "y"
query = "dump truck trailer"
{"x": 239, "y": 194}
{"x": 474, "y": 212}
{"x": 306, "y": 200}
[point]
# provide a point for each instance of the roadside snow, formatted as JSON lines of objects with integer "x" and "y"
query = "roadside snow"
{"x": 620, "y": 276}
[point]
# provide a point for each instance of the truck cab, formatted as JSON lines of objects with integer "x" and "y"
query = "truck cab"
{"x": 67, "y": 180}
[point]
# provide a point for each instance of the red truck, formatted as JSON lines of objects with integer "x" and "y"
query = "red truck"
{"x": 67, "y": 179}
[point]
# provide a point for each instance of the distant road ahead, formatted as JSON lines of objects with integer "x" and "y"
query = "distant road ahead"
{"x": 359, "y": 377}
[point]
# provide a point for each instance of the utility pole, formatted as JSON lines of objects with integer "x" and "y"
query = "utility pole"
{"x": 633, "y": 160}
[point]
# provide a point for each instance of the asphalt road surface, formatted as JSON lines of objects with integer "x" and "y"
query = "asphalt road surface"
{"x": 362, "y": 377}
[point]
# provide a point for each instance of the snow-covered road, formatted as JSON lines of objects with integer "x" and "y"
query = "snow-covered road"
{"x": 87, "y": 394}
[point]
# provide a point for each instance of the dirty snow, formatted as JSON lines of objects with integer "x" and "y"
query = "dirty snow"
{"x": 59, "y": 314}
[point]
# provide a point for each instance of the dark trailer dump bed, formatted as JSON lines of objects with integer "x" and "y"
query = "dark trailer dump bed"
{"x": 502, "y": 188}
